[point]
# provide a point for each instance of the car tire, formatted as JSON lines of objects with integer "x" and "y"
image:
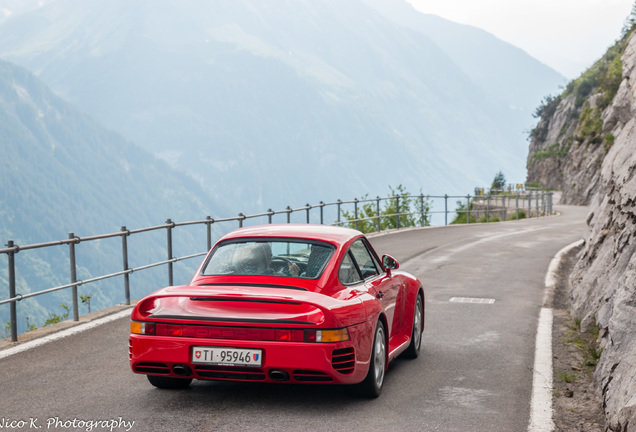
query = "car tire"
{"x": 169, "y": 382}
{"x": 413, "y": 350}
{"x": 371, "y": 387}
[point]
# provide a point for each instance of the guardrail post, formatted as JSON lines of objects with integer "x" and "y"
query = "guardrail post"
{"x": 550, "y": 203}
{"x": 517, "y": 206}
{"x": 377, "y": 210}
{"x": 71, "y": 254}
{"x": 397, "y": 211}
{"x": 529, "y": 204}
{"x": 208, "y": 223}
{"x": 124, "y": 254}
{"x": 355, "y": 213}
{"x": 543, "y": 206}
{"x": 445, "y": 209}
{"x": 289, "y": 211}
{"x": 322, "y": 216}
{"x": 422, "y": 209}
{"x": 12, "y": 305}
{"x": 240, "y": 220}
{"x": 467, "y": 209}
{"x": 307, "y": 207}
{"x": 503, "y": 211}
{"x": 270, "y": 213}
{"x": 169, "y": 234}
{"x": 339, "y": 203}
{"x": 488, "y": 208}
{"x": 536, "y": 201}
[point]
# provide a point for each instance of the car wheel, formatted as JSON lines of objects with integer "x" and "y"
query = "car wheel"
{"x": 413, "y": 350}
{"x": 372, "y": 384}
{"x": 168, "y": 382}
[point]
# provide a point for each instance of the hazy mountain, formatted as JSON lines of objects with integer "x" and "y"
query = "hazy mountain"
{"x": 270, "y": 103}
{"x": 61, "y": 172}
{"x": 504, "y": 72}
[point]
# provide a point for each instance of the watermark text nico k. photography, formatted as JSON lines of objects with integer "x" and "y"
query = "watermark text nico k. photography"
{"x": 57, "y": 423}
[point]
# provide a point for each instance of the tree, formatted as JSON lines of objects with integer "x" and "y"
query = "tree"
{"x": 630, "y": 21}
{"x": 499, "y": 182}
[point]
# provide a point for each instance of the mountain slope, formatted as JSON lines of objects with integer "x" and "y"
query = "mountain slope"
{"x": 274, "y": 103}
{"x": 506, "y": 74}
{"x": 62, "y": 172}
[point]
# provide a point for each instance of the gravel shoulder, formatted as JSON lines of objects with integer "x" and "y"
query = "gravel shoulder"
{"x": 576, "y": 404}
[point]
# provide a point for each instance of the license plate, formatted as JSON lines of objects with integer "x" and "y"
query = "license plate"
{"x": 227, "y": 356}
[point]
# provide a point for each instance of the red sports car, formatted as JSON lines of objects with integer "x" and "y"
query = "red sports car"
{"x": 281, "y": 303}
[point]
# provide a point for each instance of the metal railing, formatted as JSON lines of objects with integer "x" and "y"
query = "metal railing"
{"x": 539, "y": 205}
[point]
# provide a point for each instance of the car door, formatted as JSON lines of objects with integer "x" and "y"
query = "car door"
{"x": 385, "y": 289}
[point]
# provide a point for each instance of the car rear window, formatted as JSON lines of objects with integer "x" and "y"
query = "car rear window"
{"x": 288, "y": 258}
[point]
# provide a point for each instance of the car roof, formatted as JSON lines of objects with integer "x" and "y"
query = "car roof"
{"x": 333, "y": 234}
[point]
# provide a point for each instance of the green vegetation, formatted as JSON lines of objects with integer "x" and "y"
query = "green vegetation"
{"x": 461, "y": 214}
{"x": 489, "y": 219}
{"x": 585, "y": 342}
{"x": 604, "y": 76}
{"x": 499, "y": 182}
{"x": 55, "y": 318}
{"x": 602, "y": 79}
{"x": 590, "y": 125}
{"x": 545, "y": 111}
{"x": 568, "y": 378}
{"x": 413, "y": 211}
{"x": 554, "y": 150}
{"x": 513, "y": 216}
{"x": 86, "y": 299}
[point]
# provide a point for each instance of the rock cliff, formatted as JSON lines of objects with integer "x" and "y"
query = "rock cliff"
{"x": 576, "y": 129}
{"x": 587, "y": 149}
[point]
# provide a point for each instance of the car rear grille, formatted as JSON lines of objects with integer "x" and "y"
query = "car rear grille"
{"x": 230, "y": 373}
{"x": 343, "y": 360}
{"x": 152, "y": 368}
{"x": 311, "y": 376}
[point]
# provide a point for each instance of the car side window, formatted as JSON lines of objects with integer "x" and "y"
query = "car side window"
{"x": 364, "y": 259}
{"x": 348, "y": 273}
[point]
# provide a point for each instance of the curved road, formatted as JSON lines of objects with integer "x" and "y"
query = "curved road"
{"x": 475, "y": 372}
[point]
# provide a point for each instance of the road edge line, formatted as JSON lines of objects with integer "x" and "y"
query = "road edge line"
{"x": 63, "y": 333}
{"x": 541, "y": 402}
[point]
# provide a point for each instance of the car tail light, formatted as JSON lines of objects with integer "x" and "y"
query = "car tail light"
{"x": 239, "y": 333}
{"x": 169, "y": 330}
{"x": 339, "y": 335}
{"x": 285, "y": 335}
{"x": 144, "y": 328}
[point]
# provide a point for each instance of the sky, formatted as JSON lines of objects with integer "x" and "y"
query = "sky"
{"x": 567, "y": 35}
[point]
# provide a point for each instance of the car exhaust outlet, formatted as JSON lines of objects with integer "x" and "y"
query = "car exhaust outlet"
{"x": 278, "y": 375}
{"x": 182, "y": 370}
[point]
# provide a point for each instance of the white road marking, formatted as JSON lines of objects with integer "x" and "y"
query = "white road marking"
{"x": 64, "y": 333}
{"x": 541, "y": 403}
{"x": 471, "y": 300}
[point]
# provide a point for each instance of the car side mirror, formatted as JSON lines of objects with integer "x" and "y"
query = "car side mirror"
{"x": 389, "y": 263}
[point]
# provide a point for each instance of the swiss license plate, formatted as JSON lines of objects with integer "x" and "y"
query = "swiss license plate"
{"x": 227, "y": 356}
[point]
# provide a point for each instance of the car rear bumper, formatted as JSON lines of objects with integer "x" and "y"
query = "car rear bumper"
{"x": 293, "y": 362}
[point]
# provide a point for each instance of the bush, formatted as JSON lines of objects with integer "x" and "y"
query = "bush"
{"x": 461, "y": 215}
{"x": 413, "y": 211}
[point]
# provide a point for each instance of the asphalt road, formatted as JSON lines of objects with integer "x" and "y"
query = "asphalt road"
{"x": 474, "y": 374}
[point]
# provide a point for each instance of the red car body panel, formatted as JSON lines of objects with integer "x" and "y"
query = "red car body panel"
{"x": 248, "y": 311}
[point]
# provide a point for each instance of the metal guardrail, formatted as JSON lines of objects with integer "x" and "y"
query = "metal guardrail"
{"x": 542, "y": 205}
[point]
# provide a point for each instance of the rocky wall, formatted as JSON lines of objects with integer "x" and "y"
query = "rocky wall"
{"x": 603, "y": 282}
